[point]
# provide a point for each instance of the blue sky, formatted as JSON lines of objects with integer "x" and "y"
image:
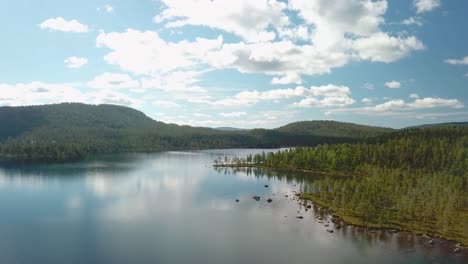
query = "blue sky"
{"x": 244, "y": 63}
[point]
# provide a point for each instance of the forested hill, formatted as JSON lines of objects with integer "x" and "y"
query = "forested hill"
{"x": 71, "y": 131}
{"x": 333, "y": 128}
{"x": 441, "y": 124}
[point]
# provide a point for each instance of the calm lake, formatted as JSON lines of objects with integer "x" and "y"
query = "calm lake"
{"x": 174, "y": 207}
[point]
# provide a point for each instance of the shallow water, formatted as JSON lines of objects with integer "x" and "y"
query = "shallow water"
{"x": 174, "y": 207}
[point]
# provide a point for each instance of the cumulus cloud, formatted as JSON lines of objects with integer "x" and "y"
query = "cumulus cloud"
{"x": 245, "y": 18}
{"x": 287, "y": 79}
{"x": 412, "y": 21}
{"x": 144, "y": 52}
{"x": 37, "y": 93}
{"x": 414, "y": 96}
{"x": 457, "y": 61}
{"x": 60, "y": 24}
{"x": 330, "y": 34}
{"x": 425, "y": 5}
{"x": 75, "y": 62}
{"x": 393, "y": 84}
{"x": 382, "y": 47}
{"x": 366, "y": 100}
{"x": 113, "y": 81}
{"x": 399, "y": 106}
{"x": 316, "y": 96}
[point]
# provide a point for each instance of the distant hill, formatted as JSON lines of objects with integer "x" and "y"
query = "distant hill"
{"x": 334, "y": 129}
{"x": 440, "y": 124}
{"x": 71, "y": 131}
{"x": 229, "y": 129}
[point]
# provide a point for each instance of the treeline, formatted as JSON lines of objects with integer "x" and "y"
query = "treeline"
{"x": 413, "y": 179}
{"x": 72, "y": 131}
{"x": 434, "y": 149}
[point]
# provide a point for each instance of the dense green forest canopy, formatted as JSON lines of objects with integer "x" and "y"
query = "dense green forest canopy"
{"x": 333, "y": 128}
{"x": 71, "y": 131}
{"x": 414, "y": 179}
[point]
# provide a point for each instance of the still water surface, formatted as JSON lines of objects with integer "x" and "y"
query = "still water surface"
{"x": 173, "y": 207}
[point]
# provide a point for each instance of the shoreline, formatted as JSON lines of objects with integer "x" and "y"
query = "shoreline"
{"x": 356, "y": 221}
{"x": 352, "y": 220}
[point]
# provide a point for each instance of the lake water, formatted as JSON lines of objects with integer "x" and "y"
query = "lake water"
{"x": 174, "y": 207}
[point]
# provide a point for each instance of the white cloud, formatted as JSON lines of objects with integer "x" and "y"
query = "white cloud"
{"x": 60, "y": 24}
{"x": 105, "y": 96}
{"x": 457, "y": 61}
{"x": 287, "y": 79}
{"x": 425, "y": 5}
{"x": 412, "y": 21}
{"x": 144, "y": 52}
{"x": 165, "y": 104}
{"x": 106, "y": 8}
{"x": 233, "y": 114}
{"x": 430, "y": 102}
{"x": 382, "y": 47}
{"x": 281, "y": 58}
{"x": 400, "y": 107}
{"x": 75, "y": 62}
{"x": 245, "y": 18}
{"x": 37, "y": 93}
{"x": 414, "y": 96}
{"x": 316, "y": 96}
{"x": 332, "y": 34}
{"x": 113, "y": 81}
{"x": 334, "y": 18}
{"x": 366, "y": 100}
{"x": 176, "y": 81}
{"x": 34, "y": 93}
{"x": 393, "y": 84}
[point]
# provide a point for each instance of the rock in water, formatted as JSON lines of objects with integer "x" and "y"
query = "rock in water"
{"x": 270, "y": 200}
{"x": 237, "y": 200}
{"x": 266, "y": 186}
{"x": 299, "y": 217}
{"x": 330, "y": 230}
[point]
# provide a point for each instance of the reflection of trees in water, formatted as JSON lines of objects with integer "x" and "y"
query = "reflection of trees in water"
{"x": 259, "y": 173}
{"x": 303, "y": 179}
